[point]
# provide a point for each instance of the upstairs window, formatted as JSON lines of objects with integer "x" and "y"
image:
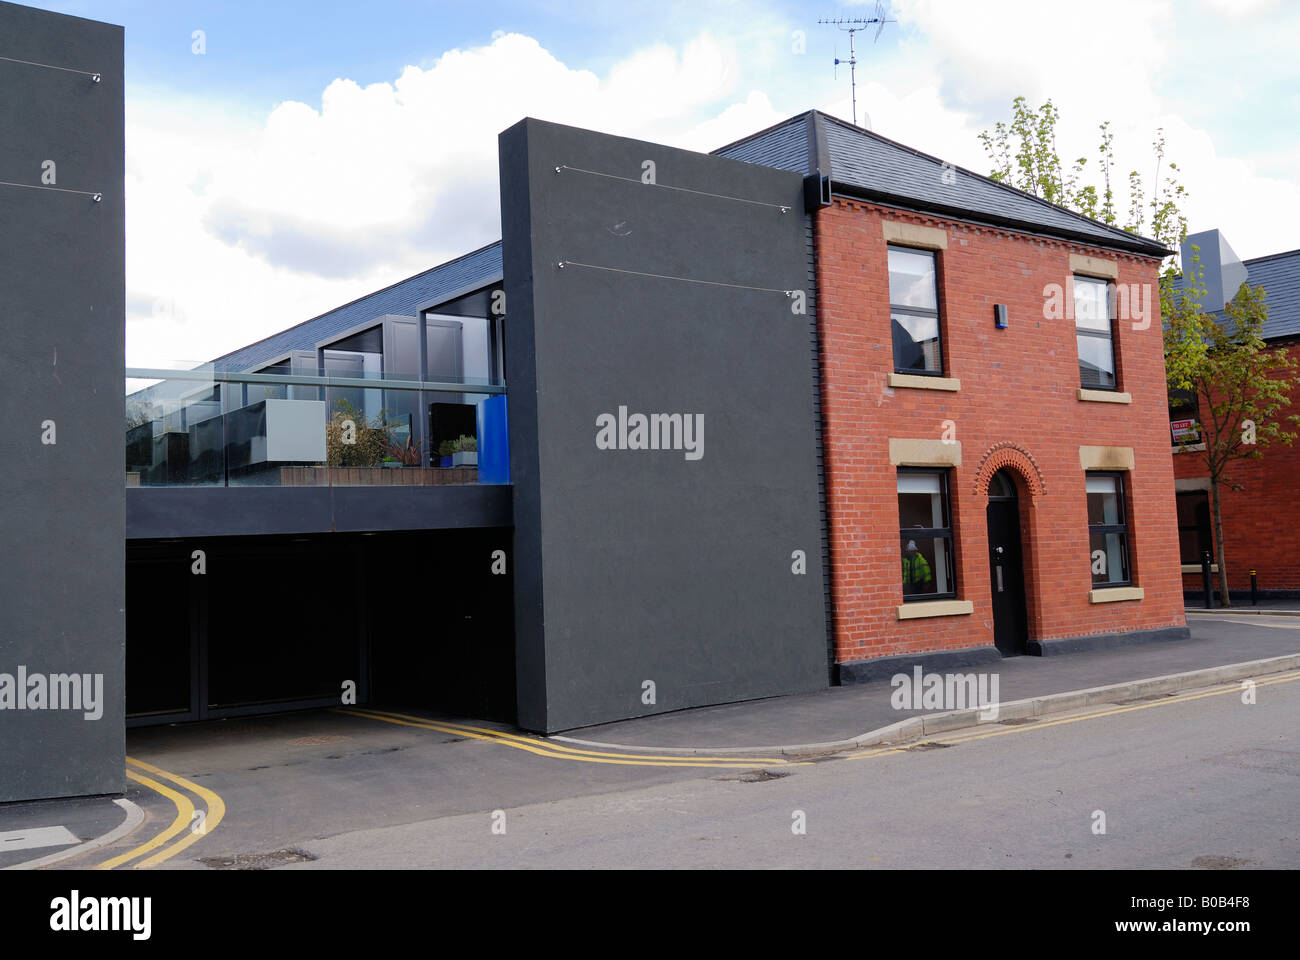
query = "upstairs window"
{"x": 1093, "y": 331}
{"x": 914, "y": 311}
{"x": 1107, "y": 530}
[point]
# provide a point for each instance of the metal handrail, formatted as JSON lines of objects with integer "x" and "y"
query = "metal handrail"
{"x": 297, "y": 379}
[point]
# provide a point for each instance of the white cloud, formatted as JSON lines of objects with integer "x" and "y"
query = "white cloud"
{"x": 240, "y": 228}
{"x": 1105, "y": 51}
{"x": 739, "y": 120}
{"x": 1240, "y": 9}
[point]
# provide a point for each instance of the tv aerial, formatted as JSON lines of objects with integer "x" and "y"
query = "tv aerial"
{"x": 852, "y": 25}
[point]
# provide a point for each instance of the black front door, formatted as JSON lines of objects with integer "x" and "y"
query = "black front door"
{"x": 1006, "y": 576}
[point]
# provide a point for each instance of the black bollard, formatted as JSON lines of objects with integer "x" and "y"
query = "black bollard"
{"x": 1254, "y": 590}
{"x": 1205, "y": 580}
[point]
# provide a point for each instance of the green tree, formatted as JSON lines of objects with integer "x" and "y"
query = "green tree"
{"x": 1023, "y": 153}
{"x": 1242, "y": 387}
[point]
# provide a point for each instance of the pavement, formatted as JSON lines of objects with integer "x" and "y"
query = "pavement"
{"x": 846, "y": 717}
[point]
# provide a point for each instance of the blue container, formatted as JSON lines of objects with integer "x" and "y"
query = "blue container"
{"x": 493, "y": 440}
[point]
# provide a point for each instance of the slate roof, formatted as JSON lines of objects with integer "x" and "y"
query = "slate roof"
{"x": 1279, "y": 275}
{"x": 865, "y": 164}
{"x": 784, "y": 146}
{"x": 473, "y": 271}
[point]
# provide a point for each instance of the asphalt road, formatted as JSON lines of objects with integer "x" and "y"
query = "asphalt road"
{"x": 1203, "y": 782}
{"x": 1186, "y": 782}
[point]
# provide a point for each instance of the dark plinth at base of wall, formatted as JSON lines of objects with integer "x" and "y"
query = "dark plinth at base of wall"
{"x": 935, "y": 661}
{"x": 1105, "y": 641}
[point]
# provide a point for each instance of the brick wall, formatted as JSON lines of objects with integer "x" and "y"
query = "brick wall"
{"x": 1017, "y": 407}
{"x": 1261, "y": 521}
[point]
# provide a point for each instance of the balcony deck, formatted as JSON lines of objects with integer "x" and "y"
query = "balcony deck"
{"x": 173, "y": 512}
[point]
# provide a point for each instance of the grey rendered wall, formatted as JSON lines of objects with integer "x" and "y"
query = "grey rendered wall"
{"x": 62, "y": 515}
{"x": 636, "y": 566}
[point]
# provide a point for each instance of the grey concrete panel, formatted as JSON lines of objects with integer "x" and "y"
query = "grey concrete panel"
{"x": 637, "y": 565}
{"x": 62, "y": 308}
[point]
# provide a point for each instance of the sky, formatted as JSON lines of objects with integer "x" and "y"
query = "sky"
{"x": 287, "y": 157}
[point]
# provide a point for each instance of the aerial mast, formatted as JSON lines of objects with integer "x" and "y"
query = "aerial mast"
{"x": 852, "y": 25}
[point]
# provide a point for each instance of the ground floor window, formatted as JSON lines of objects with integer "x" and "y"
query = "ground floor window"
{"x": 925, "y": 535}
{"x": 1107, "y": 530}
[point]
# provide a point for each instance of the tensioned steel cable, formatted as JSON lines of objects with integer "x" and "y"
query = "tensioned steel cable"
{"x": 93, "y": 194}
{"x": 94, "y": 75}
{"x": 784, "y": 208}
{"x": 661, "y": 276}
{"x": 95, "y": 78}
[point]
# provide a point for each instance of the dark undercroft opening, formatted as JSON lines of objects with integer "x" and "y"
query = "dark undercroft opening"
{"x": 411, "y": 619}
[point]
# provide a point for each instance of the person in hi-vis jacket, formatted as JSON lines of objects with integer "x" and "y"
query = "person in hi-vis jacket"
{"x": 916, "y": 570}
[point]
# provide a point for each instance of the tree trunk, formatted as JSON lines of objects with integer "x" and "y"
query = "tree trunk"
{"x": 1224, "y": 598}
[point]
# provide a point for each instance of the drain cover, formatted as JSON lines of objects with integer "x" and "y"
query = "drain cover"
{"x": 258, "y": 861}
{"x": 1219, "y": 863}
{"x": 755, "y": 776}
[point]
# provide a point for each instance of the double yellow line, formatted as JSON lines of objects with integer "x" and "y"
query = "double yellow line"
{"x": 555, "y": 751}
{"x": 982, "y": 733}
{"x": 216, "y": 809}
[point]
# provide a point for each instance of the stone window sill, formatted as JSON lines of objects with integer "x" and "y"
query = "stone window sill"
{"x": 934, "y": 608}
{"x": 1113, "y": 594}
{"x": 924, "y": 383}
{"x": 1104, "y": 396}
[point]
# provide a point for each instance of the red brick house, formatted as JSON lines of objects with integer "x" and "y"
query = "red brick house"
{"x": 1260, "y": 518}
{"x": 997, "y": 471}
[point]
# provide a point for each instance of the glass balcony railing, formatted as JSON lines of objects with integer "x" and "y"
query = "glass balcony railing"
{"x": 209, "y": 427}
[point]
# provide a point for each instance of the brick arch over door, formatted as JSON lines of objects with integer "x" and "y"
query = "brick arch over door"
{"x": 1016, "y": 457}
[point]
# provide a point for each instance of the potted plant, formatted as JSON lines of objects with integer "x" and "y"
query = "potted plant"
{"x": 402, "y": 453}
{"x": 445, "y": 451}
{"x": 464, "y": 452}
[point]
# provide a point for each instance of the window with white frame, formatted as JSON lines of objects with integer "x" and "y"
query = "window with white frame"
{"x": 925, "y": 534}
{"x": 914, "y": 311}
{"x": 1107, "y": 530}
